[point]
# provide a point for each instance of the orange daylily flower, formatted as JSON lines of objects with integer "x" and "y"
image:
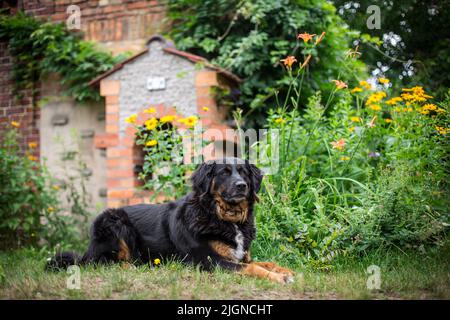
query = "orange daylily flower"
{"x": 340, "y": 144}
{"x": 289, "y": 61}
{"x": 340, "y": 84}
{"x": 305, "y": 36}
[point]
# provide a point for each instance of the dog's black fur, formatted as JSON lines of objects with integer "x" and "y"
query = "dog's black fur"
{"x": 180, "y": 229}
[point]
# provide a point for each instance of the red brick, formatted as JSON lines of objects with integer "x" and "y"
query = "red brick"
{"x": 206, "y": 102}
{"x": 112, "y": 108}
{"x": 138, "y": 5}
{"x": 109, "y": 87}
{"x": 121, "y": 194}
{"x": 119, "y": 163}
{"x": 204, "y": 91}
{"x": 112, "y": 100}
{"x": 116, "y": 152}
{"x": 112, "y": 128}
{"x": 206, "y": 78}
{"x": 106, "y": 140}
{"x": 112, "y": 118}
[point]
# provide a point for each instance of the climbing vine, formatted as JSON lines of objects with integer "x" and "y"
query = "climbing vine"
{"x": 40, "y": 48}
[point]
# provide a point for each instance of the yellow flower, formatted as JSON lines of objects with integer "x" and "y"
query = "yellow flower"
{"x": 150, "y": 124}
{"x": 351, "y": 129}
{"x": 289, "y": 61}
{"x": 430, "y": 106}
{"x": 157, "y": 261}
{"x": 415, "y": 94}
{"x": 205, "y": 109}
{"x": 32, "y": 158}
{"x": 375, "y": 97}
{"x": 15, "y": 124}
{"x": 50, "y": 209}
{"x": 365, "y": 84}
{"x": 345, "y": 158}
{"x": 387, "y": 120}
{"x": 32, "y": 145}
{"x": 375, "y": 107}
{"x": 440, "y": 110}
{"x": 55, "y": 187}
{"x": 356, "y": 89}
{"x": 339, "y": 145}
{"x": 150, "y": 110}
{"x": 355, "y": 119}
{"x": 394, "y": 101}
{"x": 442, "y": 130}
{"x": 189, "y": 121}
{"x": 168, "y": 118}
{"x": 151, "y": 143}
{"x": 131, "y": 119}
{"x": 280, "y": 120}
{"x": 340, "y": 84}
{"x": 383, "y": 80}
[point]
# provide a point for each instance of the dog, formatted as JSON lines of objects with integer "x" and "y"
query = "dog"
{"x": 211, "y": 226}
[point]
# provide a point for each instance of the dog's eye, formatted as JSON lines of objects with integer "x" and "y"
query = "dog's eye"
{"x": 226, "y": 172}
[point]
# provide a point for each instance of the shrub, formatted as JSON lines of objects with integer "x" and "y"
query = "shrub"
{"x": 30, "y": 213}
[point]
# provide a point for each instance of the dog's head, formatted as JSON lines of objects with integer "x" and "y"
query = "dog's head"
{"x": 231, "y": 182}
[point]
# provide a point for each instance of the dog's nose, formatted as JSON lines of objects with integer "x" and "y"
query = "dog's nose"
{"x": 241, "y": 186}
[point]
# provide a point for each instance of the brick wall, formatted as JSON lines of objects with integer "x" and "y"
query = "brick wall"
{"x": 120, "y": 25}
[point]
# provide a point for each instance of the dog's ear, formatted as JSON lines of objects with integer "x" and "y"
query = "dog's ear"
{"x": 256, "y": 176}
{"x": 202, "y": 178}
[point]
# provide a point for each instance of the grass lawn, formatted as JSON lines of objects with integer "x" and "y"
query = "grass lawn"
{"x": 403, "y": 276}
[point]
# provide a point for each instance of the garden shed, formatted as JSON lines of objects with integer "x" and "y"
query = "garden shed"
{"x": 173, "y": 82}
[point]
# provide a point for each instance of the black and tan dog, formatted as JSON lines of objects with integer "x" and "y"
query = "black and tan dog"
{"x": 211, "y": 226}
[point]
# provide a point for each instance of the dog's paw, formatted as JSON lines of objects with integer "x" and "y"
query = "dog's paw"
{"x": 288, "y": 279}
{"x": 281, "y": 278}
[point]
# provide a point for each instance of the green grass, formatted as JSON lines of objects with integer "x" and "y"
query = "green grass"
{"x": 404, "y": 276}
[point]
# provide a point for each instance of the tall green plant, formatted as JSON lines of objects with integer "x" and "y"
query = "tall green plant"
{"x": 371, "y": 174}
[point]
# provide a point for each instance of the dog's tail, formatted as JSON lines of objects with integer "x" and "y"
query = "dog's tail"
{"x": 62, "y": 260}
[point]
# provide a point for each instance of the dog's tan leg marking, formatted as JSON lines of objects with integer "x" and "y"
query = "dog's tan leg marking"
{"x": 254, "y": 270}
{"x": 124, "y": 251}
{"x": 223, "y": 250}
{"x": 270, "y": 266}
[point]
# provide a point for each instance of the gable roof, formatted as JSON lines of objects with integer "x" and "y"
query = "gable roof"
{"x": 169, "y": 48}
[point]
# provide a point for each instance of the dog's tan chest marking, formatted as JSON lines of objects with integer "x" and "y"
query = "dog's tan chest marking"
{"x": 229, "y": 253}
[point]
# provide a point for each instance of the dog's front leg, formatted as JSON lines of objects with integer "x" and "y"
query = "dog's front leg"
{"x": 255, "y": 270}
{"x": 270, "y": 266}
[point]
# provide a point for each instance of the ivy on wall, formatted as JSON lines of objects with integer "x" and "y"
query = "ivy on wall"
{"x": 40, "y": 48}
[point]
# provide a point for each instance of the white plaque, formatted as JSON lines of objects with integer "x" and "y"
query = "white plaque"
{"x": 156, "y": 83}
